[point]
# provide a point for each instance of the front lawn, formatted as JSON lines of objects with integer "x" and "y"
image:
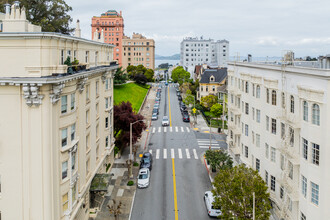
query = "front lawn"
{"x": 131, "y": 92}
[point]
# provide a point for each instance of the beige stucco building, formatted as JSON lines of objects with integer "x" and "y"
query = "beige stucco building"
{"x": 138, "y": 50}
{"x": 56, "y": 128}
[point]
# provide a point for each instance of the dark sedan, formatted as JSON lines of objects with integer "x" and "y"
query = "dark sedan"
{"x": 185, "y": 118}
{"x": 146, "y": 161}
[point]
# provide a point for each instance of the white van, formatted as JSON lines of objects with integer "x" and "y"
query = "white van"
{"x": 211, "y": 209}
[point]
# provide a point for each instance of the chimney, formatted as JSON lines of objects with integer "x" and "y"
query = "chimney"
{"x": 16, "y": 3}
{"x": 77, "y": 32}
{"x": 7, "y": 8}
{"x": 249, "y": 58}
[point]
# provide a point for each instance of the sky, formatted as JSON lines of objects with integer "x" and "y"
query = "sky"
{"x": 258, "y": 27}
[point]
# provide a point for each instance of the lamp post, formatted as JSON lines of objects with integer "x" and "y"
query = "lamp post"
{"x": 130, "y": 146}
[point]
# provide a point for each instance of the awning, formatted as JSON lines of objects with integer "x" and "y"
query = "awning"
{"x": 100, "y": 183}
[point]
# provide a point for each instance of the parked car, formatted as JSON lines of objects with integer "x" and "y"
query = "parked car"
{"x": 183, "y": 108}
{"x": 181, "y": 104}
{"x": 154, "y": 116}
{"x": 185, "y": 117}
{"x": 146, "y": 161}
{"x": 157, "y": 99}
{"x": 166, "y": 83}
{"x": 156, "y": 105}
{"x": 165, "y": 121}
{"x": 155, "y": 111}
{"x": 212, "y": 210}
{"x": 143, "y": 178}
{"x": 179, "y": 98}
{"x": 184, "y": 112}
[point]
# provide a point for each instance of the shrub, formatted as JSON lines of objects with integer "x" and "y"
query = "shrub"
{"x": 130, "y": 183}
{"x": 135, "y": 164}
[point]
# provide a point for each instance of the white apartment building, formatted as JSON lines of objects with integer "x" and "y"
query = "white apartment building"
{"x": 279, "y": 125}
{"x": 56, "y": 126}
{"x": 195, "y": 51}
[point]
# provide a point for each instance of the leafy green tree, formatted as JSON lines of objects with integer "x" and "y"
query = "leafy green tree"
{"x": 219, "y": 159}
{"x": 51, "y": 15}
{"x": 209, "y": 101}
{"x": 132, "y": 71}
{"x": 119, "y": 77}
{"x": 233, "y": 190}
{"x": 193, "y": 87}
{"x": 149, "y": 74}
{"x": 216, "y": 110}
{"x": 180, "y": 75}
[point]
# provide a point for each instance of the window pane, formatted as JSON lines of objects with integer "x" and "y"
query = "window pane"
{"x": 64, "y": 104}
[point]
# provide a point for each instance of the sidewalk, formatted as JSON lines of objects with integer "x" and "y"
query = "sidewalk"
{"x": 202, "y": 126}
{"x": 118, "y": 189}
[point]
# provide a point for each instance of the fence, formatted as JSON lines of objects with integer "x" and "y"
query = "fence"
{"x": 205, "y": 117}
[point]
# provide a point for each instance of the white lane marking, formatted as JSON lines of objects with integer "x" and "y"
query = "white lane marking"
{"x": 172, "y": 153}
{"x": 164, "y": 129}
{"x": 212, "y": 147}
{"x": 150, "y": 151}
{"x": 176, "y": 129}
{"x": 207, "y": 140}
{"x": 195, "y": 154}
{"x": 180, "y": 153}
{"x": 165, "y": 153}
{"x": 171, "y": 129}
{"x": 157, "y": 154}
{"x": 153, "y": 130}
{"x": 182, "y": 129}
{"x": 159, "y": 129}
{"x": 204, "y": 144}
{"x": 188, "y": 130}
{"x": 187, "y": 153}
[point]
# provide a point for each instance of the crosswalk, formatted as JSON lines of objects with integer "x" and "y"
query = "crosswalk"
{"x": 175, "y": 153}
{"x": 205, "y": 143}
{"x": 170, "y": 129}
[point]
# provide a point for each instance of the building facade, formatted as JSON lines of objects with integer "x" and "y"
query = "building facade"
{"x": 138, "y": 50}
{"x": 278, "y": 125}
{"x": 110, "y": 27}
{"x": 56, "y": 128}
{"x": 212, "y": 81}
{"x": 195, "y": 51}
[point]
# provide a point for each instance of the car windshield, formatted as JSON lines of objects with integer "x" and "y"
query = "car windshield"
{"x": 143, "y": 176}
{"x": 146, "y": 160}
{"x": 165, "y": 118}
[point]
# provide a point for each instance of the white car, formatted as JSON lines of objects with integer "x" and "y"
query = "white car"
{"x": 154, "y": 116}
{"x": 143, "y": 178}
{"x": 165, "y": 121}
{"x": 211, "y": 209}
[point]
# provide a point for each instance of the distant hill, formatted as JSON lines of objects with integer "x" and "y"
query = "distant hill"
{"x": 173, "y": 57}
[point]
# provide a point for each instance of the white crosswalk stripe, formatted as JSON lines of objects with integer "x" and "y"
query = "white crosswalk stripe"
{"x": 176, "y": 129}
{"x": 182, "y": 130}
{"x": 205, "y": 144}
{"x": 172, "y": 153}
{"x": 165, "y": 153}
{"x": 153, "y": 130}
{"x": 159, "y": 129}
{"x": 188, "y": 130}
{"x": 195, "y": 154}
{"x": 157, "y": 154}
{"x": 165, "y": 129}
{"x": 187, "y": 153}
{"x": 171, "y": 129}
{"x": 180, "y": 153}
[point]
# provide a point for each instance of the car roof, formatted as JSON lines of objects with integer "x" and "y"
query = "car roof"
{"x": 147, "y": 154}
{"x": 165, "y": 117}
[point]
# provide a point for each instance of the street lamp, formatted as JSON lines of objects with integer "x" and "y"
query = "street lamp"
{"x": 130, "y": 146}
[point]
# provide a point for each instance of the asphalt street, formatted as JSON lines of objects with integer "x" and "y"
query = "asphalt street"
{"x": 176, "y": 149}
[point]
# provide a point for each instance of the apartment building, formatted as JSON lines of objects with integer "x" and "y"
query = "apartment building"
{"x": 56, "y": 124}
{"x": 110, "y": 27}
{"x": 279, "y": 125}
{"x": 198, "y": 51}
{"x": 138, "y": 50}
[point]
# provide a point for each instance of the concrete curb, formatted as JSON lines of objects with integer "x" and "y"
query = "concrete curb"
{"x": 129, "y": 218}
{"x": 208, "y": 171}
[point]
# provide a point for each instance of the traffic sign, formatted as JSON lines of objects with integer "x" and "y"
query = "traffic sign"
{"x": 194, "y": 110}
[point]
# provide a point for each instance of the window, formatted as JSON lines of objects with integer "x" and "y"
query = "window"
{"x": 253, "y": 90}
{"x": 97, "y": 109}
{"x": 246, "y": 130}
{"x": 87, "y": 93}
{"x": 266, "y": 177}
{"x": 97, "y": 131}
{"x": 273, "y": 154}
{"x": 64, "y": 104}
{"x": 246, "y": 87}
{"x": 87, "y": 117}
{"x": 291, "y": 104}
{"x": 272, "y": 183}
{"x": 290, "y": 167}
{"x": 73, "y": 161}
{"x": 96, "y": 57}
{"x": 253, "y": 113}
{"x": 258, "y": 140}
{"x": 64, "y": 169}
{"x": 107, "y": 122}
{"x": 282, "y": 162}
{"x": 273, "y": 97}
{"x": 266, "y": 150}
{"x": 258, "y": 92}
{"x": 257, "y": 164}
{"x": 97, "y": 152}
{"x": 282, "y": 130}
{"x": 258, "y": 115}
{"x": 97, "y": 92}
{"x": 267, "y": 95}
{"x": 246, "y": 151}
{"x": 283, "y": 100}
{"x": 273, "y": 126}
{"x": 73, "y": 101}
{"x": 87, "y": 57}
{"x": 305, "y": 149}
{"x": 291, "y": 136}
{"x": 315, "y": 154}
{"x": 316, "y": 114}
{"x": 315, "y": 193}
{"x": 107, "y": 141}
{"x": 74, "y": 193}
{"x": 304, "y": 186}
{"x": 247, "y": 108}
{"x": 281, "y": 192}
{"x": 73, "y": 131}
{"x": 107, "y": 102}
{"x": 267, "y": 123}
{"x": 65, "y": 202}
{"x": 64, "y": 137}
{"x": 62, "y": 57}
{"x": 305, "y": 111}
{"x": 302, "y": 216}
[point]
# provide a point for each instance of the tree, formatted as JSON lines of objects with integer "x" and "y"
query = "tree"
{"x": 115, "y": 209}
{"x": 193, "y": 87}
{"x": 140, "y": 79}
{"x": 120, "y": 77}
{"x": 132, "y": 71}
{"x": 233, "y": 190}
{"x": 219, "y": 159}
{"x": 209, "y": 101}
{"x": 123, "y": 116}
{"x": 216, "y": 110}
{"x": 149, "y": 74}
{"x": 51, "y": 15}
{"x": 180, "y": 75}
{"x": 189, "y": 98}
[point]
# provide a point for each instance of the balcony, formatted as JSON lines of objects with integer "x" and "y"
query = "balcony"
{"x": 289, "y": 186}
{"x": 285, "y": 148}
{"x": 235, "y": 91}
{"x": 290, "y": 119}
